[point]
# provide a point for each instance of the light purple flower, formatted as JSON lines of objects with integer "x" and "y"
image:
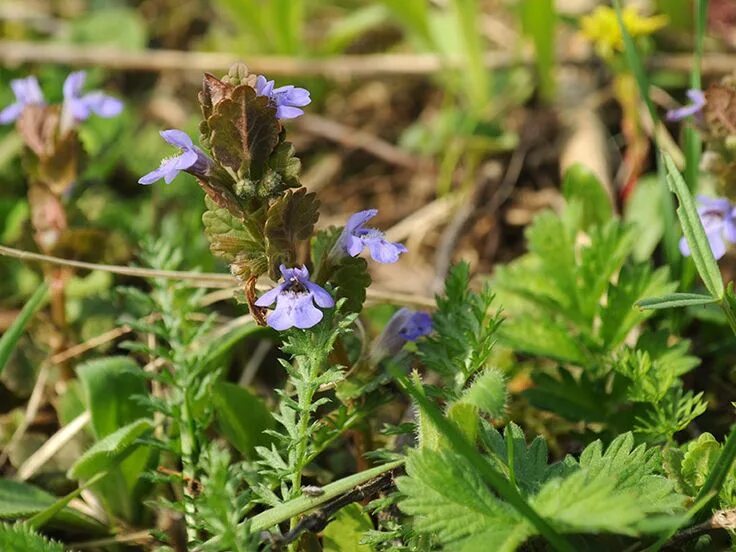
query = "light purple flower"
{"x": 697, "y": 102}
{"x": 405, "y": 325}
{"x": 355, "y": 237}
{"x": 287, "y": 99}
{"x": 295, "y": 299}
{"x": 27, "y": 92}
{"x": 80, "y": 106}
{"x": 718, "y": 216}
{"x": 191, "y": 159}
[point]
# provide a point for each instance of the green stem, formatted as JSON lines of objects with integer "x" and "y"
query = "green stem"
{"x": 730, "y": 314}
{"x": 189, "y": 473}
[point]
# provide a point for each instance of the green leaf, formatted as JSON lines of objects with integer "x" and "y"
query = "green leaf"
{"x": 22, "y": 500}
{"x": 643, "y": 211}
{"x": 699, "y": 457}
{"x": 582, "y": 399}
{"x": 543, "y": 337}
{"x": 10, "y": 337}
{"x": 245, "y": 132}
{"x": 582, "y": 186}
{"x": 487, "y": 393}
{"x": 539, "y": 21}
{"x": 343, "y": 534}
{"x": 20, "y": 538}
{"x": 291, "y": 219}
{"x": 282, "y": 171}
{"x": 450, "y": 501}
{"x": 107, "y": 452}
{"x": 122, "y": 27}
{"x": 110, "y": 386}
{"x": 241, "y": 416}
{"x": 351, "y": 278}
{"x": 672, "y": 300}
{"x": 239, "y": 244}
{"x": 694, "y": 232}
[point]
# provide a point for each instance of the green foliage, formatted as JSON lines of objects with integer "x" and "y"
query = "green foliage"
{"x": 615, "y": 490}
{"x": 465, "y": 330}
{"x": 242, "y": 416}
{"x": 344, "y": 533}
{"x": 290, "y": 220}
{"x": 22, "y": 500}
{"x": 19, "y": 538}
{"x": 584, "y": 192}
{"x": 107, "y": 452}
{"x": 538, "y": 21}
{"x": 10, "y": 337}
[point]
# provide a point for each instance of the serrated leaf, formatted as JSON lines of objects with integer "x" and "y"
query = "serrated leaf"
{"x": 240, "y": 242}
{"x": 108, "y": 451}
{"x": 282, "y": 171}
{"x": 242, "y": 417}
{"x": 699, "y": 458}
{"x": 244, "y": 131}
{"x": 290, "y": 219}
{"x": 692, "y": 227}
{"x": 351, "y": 278}
{"x": 673, "y": 300}
{"x": 580, "y": 185}
{"x": 21, "y": 538}
{"x": 450, "y": 501}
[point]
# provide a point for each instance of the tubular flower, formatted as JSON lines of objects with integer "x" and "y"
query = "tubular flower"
{"x": 405, "y": 325}
{"x": 295, "y": 300}
{"x": 355, "y": 237}
{"x": 191, "y": 159}
{"x": 718, "y": 216}
{"x": 287, "y": 99}
{"x": 697, "y": 102}
{"x": 79, "y": 107}
{"x": 27, "y": 92}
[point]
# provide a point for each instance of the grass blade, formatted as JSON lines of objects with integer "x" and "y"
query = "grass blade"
{"x": 10, "y": 338}
{"x": 694, "y": 232}
{"x": 675, "y": 300}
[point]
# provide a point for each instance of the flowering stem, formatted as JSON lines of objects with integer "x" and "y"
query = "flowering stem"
{"x": 188, "y": 446}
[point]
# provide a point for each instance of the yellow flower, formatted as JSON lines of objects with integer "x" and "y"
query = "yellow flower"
{"x": 601, "y": 28}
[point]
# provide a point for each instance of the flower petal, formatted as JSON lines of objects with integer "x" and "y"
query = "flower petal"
{"x": 27, "y": 91}
{"x": 305, "y": 314}
{"x": 103, "y": 105}
{"x": 359, "y": 219}
{"x": 177, "y": 138}
{"x": 281, "y": 317}
{"x": 383, "y": 251}
{"x": 11, "y": 113}
{"x": 73, "y": 84}
{"x": 184, "y": 160}
{"x": 717, "y": 245}
{"x": 353, "y": 245}
{"x": 288, "y": 112}
{"x": 270, "y": 296}
{"x": 321, "y": 295}
{"x": 153, "y": 176}
{"x": 684, "y": 247}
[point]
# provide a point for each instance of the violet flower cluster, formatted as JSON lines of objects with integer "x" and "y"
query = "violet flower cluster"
{"x": 287, "y": 99}
{"x": 718, "y": 216}
{"x": 77, "y": 106}
{"x": 697, "y": 102}
{"x": 404, "y": 326}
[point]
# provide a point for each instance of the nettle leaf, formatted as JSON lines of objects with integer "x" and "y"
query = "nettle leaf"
{"x": 244, "y": 130}
{"x": 351, "y": 279}
{"x": 19, "y": 537}
{"x": 290, "y": 219}
{"x": 239, "y": 242}
{"x": 450, "y": 501}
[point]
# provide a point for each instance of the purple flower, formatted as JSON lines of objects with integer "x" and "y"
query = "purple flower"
{"x": 355, "y": 237}
{"x": 718, "y": 216}
{"x": 191, "y": 159}
{"x": 27, "y": 92}
{"x": 405, "y": 325}
{"x": 697, "y": 102}
{"x": 79, "y": 107}
{"x": 287, "y": 99}
{"x": 295, "y": 299}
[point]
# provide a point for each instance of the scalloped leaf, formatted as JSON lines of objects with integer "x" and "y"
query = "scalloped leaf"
{"x": 291, "y": 218}
{"x": 110, "y": 450}
{"x": 245, "y": 131}
{"x": 351, "y": 278}
{"x": 239, "y": 242}
{"x": 282, "y": 171}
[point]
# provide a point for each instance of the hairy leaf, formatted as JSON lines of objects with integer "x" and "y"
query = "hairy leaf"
{"x": 351, "y": 278}
{"x": 291, "y": 219}
{"x": 21, "y": 538}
